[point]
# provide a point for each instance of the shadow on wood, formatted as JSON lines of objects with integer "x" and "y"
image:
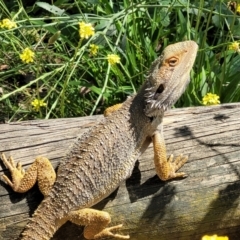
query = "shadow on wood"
{"x": 206, "y": 202}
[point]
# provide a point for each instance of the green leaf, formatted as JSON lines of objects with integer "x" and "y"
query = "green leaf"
{"x": 164, "y": 14}
{"x": 50, "y": 8}
{"x": 96, "y": 89}
{"x": 234, "y": 66}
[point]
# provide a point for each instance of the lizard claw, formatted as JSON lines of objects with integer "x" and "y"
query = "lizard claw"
{"x": 107, "y": 232}
{"x": 176, "y": 164}
{"x": 16, "y": 171}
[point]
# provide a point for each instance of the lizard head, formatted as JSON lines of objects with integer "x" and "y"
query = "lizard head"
{"x": 169, "y": 76}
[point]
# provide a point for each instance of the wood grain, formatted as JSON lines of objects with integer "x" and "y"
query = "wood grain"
{"x": 206, "y": 202}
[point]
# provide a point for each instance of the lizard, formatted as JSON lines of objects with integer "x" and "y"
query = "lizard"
{"x": 102, "y": 158}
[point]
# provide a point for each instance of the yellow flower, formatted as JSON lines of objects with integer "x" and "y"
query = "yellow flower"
{"x": 210, "y": 99}
{"x": 86, "y": 30}
{"x": 27, "y": 55}
{"x": 214, "y": 237}
{"x": 234, "y": 46}
{"x": 7, "y": 23}
{"x": 113, "y": 58}
{"x": 93, "y": 49}
{"x": 37, "y": 103}
{"x": 238, "y": 8}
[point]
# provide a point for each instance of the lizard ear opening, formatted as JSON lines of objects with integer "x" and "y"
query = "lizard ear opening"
{"x": 159, "y": 91}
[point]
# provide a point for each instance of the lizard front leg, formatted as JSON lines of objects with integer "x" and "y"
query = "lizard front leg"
{"x": 112, "y": 109}
{"x": 95, "y": 223}
{"x": 166, "y": 168}
{"x": 41, "y": 170}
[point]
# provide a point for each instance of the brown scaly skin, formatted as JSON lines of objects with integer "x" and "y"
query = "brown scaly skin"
{"x": 102, "y": 158}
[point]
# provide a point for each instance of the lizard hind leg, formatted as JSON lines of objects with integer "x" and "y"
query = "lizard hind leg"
{"x": 95, "y": 223}
{"x": 41, "y": 170}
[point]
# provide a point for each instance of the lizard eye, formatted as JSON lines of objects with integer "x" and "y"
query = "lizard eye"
{"x": 173, "y": 61}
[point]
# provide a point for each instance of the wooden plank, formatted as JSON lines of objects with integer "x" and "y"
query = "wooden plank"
{"x": 206, "y": 202}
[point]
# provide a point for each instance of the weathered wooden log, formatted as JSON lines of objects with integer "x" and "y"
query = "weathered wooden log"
{"x": 206, "y": 202}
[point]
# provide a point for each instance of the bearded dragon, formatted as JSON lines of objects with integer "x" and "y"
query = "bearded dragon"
{"x": 101, "y": 159}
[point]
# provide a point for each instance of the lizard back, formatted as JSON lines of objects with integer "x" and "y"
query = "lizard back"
{"x": 100, "y": 159}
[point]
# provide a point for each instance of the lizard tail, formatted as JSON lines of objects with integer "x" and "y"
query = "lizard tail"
{"x": 41, "y": 226}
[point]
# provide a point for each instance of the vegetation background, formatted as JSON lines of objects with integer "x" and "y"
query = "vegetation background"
{"x": 67, "y": 78}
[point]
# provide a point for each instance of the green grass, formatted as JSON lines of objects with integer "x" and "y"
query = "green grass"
{"x": 72, "y": 82}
